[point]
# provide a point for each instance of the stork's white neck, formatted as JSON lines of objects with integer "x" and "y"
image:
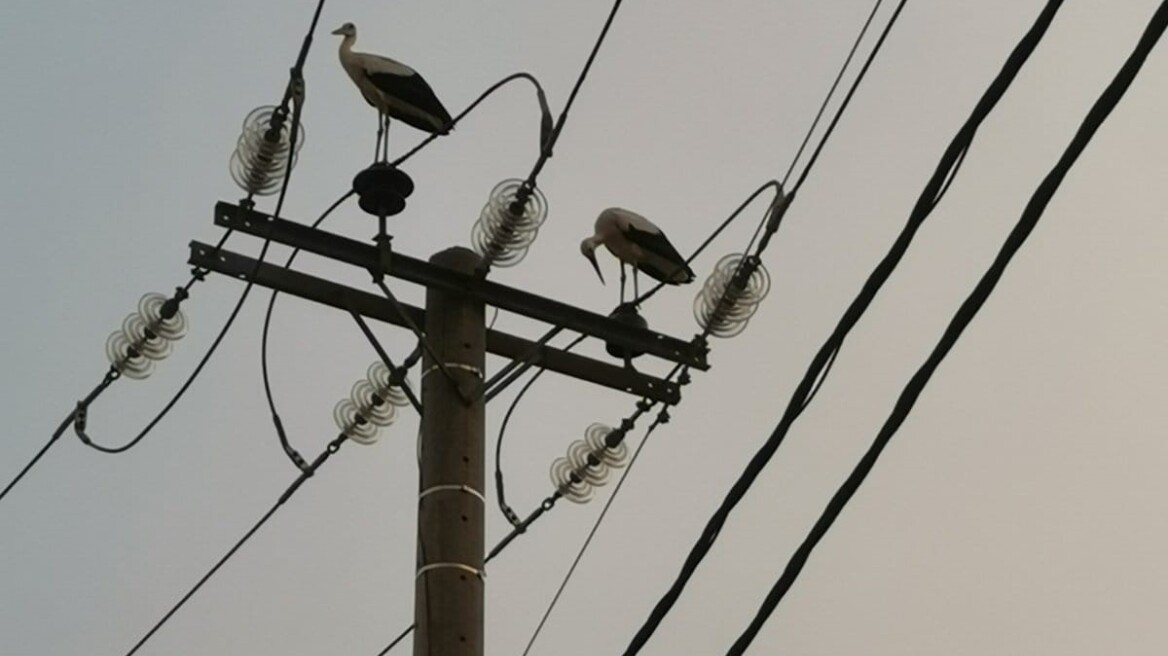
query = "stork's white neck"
{"x": 347, "y": 43}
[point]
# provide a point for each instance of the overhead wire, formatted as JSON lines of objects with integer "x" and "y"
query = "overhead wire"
{"x": 110, "y": 376}
{"x": 779, "y": 186}
{"x": 827, "y": 353}
{"x": 969, "y": 309}
{"x": 563, "y": 118}
{"x": 80, "y": 411}
{"x": 770, "y": 223}
{"x": 643, "y": 406}
{"x": 500, "y": 493}
{"x": 281, "y": 433}
{"x": 294, "y": 95}
{"x": 397, "y": 373}
{"x": 831, "y": 91}
{"x": 545, "y": 114}
{"x": 305, "y": 474}
{"x": 662, "y": 417}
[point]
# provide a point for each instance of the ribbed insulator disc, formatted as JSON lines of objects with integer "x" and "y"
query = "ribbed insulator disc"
{"x": 150, "y": 307}
{"x": 371, "y": 405}
{"x": 148, "y": 343}
{"x": 586, "y": 465}
{"x": 379, "y": 376}
{"x": 117, "y": 349}
{"x": 351, "y": 423}
{"x": 575, "y": 491}
{"x": 596, "y": 436}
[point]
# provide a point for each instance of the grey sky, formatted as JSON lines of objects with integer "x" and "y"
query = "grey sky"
{"x": 1019, "y": 511}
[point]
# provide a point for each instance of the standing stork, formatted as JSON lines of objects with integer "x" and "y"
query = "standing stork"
{"x": 638, "y": 242}
{"x": 394, "y": 89}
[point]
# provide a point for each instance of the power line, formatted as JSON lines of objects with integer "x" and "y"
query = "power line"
{"x": 106, "y": 380}
{"x": 545, "y": 113}
{"x": 79, "y": 428}
{"x": 744, "y": 268}
{"x": 662, "y": 417}
{"x": 307, "y": 473}
{"x": 285, "y": 444}
{"x": 831, "y": 92}
{"x": 293, "y": 94}
{"x": 559, "y": 127}
{"x": 500, "y": 494}
{"x": 776, "y": 211}
{"x": 961, "y": 320}
{"x": 927, "y": 201}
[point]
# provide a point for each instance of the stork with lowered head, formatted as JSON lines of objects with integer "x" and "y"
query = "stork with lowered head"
{"x": 639, "y": 243}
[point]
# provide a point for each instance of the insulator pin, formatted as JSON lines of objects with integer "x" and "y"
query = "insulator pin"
{"x": 146, "y": 337}
{"x": 731, "y": 295}
{"x": 588, "y": 464}
{"x": 509, "y": 223}
{"x": 261, "y": 155}
{"x": 371, "y": 406}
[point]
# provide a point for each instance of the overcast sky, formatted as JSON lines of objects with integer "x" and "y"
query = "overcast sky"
{"x": 1020, "y": 510}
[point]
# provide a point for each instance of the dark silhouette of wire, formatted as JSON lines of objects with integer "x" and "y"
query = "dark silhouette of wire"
{"x": 111, "y": 375}
{"x": 307, "y": 473}
{"x": 293, "y": 93}
{"x": 500, "y": 494}
{"x": 545, "y": 114}
{"x": 401, "y": 636}
{"x": 851, "y": 92}
{"x": 831, "y": 92}
{"x": 285, "y": 444}
{"x": 87, "y": 440}
{"x": 927, "y": 201}
{"x": 964, "y": 315}
{"x": 627, "y": 424}
{"x": 778, "y": 186}
{"x": 662, "y": 418}
{"x": 559, "y": 127}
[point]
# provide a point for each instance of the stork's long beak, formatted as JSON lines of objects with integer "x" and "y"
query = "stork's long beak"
{"x": 338, "y": 30}
{"x": 592, "y": 258}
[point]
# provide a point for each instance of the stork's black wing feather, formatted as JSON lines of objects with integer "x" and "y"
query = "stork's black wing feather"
{"x": 411, "y": 90}
{"x": 670, "y": 266}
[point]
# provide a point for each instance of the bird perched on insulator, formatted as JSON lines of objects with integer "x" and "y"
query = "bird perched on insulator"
{"x": 395, "y": 90}
{"x": 639, "y": 243}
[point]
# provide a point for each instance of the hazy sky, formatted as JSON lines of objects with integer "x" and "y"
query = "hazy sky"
{"x": 1019, "y": 511}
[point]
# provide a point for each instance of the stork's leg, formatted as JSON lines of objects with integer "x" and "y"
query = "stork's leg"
{"x": 636, "y": 287}
{"x": 380, "y": 136}
{"x": 622, "y": 298}
{"x": 385, "y": 141}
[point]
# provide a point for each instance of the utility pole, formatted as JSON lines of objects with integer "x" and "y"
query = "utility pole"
{"x": 448, "y": 589}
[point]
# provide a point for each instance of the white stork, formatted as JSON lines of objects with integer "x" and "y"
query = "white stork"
{"x": 394, "y": 89}
{"x": 638, "y": 242}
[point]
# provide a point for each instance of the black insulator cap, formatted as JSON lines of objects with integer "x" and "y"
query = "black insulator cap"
{"x": 170, "y": 307}
{"x": 629, "y": 316}
{"x": 382, "y": 189}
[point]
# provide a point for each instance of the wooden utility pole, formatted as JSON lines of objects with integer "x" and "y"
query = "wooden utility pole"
{"x": 448, "y": 591}
{"x": 448, "y": 597}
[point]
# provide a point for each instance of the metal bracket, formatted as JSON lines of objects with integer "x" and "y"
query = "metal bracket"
{"x": 403, "y": 267}
{"x": 377, "y": 307}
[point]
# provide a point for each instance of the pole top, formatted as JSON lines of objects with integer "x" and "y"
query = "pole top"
{"x": 457, "y": 258}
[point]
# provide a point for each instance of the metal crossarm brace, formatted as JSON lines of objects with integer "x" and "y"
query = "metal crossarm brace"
{"x": 403, "y": 267}
{"x": 377, "y": 307}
